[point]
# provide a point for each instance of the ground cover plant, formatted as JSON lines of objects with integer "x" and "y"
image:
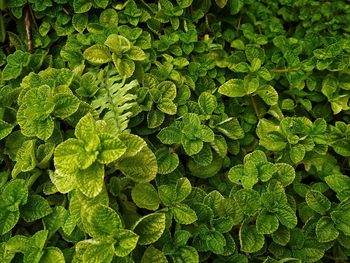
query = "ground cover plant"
{"x": 174, "y": 131}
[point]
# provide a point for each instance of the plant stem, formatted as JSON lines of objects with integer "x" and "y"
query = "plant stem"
{"x": 257, "y": 113}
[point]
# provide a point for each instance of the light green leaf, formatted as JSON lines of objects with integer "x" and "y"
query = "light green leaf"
{"x": 136, "y": 53}
{"x": 25, "y": 158}
{"x": 153, "y": 255}
{"x": 134, "y": 144}
{"x": 145, "y": 196}
{"x": 167, "y": 161}
{"x": 14, "y": 194}
{"x": 268, "y": 94}
{"x": 8, "y": 220}
{"x": 111, "y": 149}
{"x": 170, "y": 135}
{"x": 150, "y": 228}
{"x": 183, "y": 189}
{"x": 37, "y": 207}
{"x": 167, "y": 106}
{"x": 285, "y": 173}
{"x": 86, "y": 132}
{"x": 101, "y": 220}
{"x": 221, "y": 3}
{"x": 141, "y": 168}
{"x": 317, "y": 201}
{"x": 250, "y": 240}
{"x": 183, "y": 214}
{"x": 184, "y": 3}
{"x": 91, "y": 251}
{"x": 192, "y": 147}
{"x": 98, "y": 54}
{"x": 248, "y": 200}
{"x": 325, "y": 230}
{"x": 118, "y": 44}
{"x": 90, "y": 180}
{"x": 125, "y": 66}
{"x": 338, "y": 182}
{"x": 233, "y": 88}
{"x": 297, "y": 153}
{"x": 341, "y": 217}
{"x": 207, "y": 103}
{"x": 5, "y": 129}
{"x": 127, "y": 241}
{"x": 65, "y": 105}
{"x": 185, "y": 254}
{"x": 206, "y": 134}
{"x": 52, "y": 255}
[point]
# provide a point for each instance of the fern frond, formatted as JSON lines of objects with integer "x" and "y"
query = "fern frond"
{"x": 113, "y": 102}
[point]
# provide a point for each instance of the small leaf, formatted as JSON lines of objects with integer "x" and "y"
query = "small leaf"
{"x": 125, "y": 67}
{"x": 167, "y": 161}
{"x": 207, "y": 103}
{"x": 233, "y": 88}
{"x": 118, "y": 44}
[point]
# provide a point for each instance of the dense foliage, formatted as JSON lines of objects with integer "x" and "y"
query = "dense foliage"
{"x": 174, "y": 131}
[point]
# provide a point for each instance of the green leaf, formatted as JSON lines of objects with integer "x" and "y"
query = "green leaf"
{"x": 25, "y": 158}
{"x": 183, "y": 214}
{"x": 90, "y": 180}
{"x": 141, "y": 167}
{"x": 101, "y": 220}
{"x": 125, "y": 67}
{"x": 118, "y": 44}
{"x": 170, "y": 135}
{"x": 248, "y": 200}
{"x": 153, "y": 255}
{"x": 286, "y": 216}
{"x": 338, "y": 182}
{"x": 285, "y": 173}
{"x": 167, "y": 161}
{"x": 37, "y": 207}
{"x": 234, "y": 88}
{"x": 150, "y": 228}
{"x": 297, "y": 153}
{"x": 184, "y": 3}
{"x": 341, "y": 217}
{"x": 111, "y": 149}
{"x": 65, "y": 105}
{"x": 167, "y": 106}
{"x": 127, "y": 241}
{"x": 86, "y": 132}
{"x": 221, "y": 3}
{"x": 93, "y": 251}
{"x": 207, "y": 103}
{"x": 268, "y": 94}
{"x": 8, "y": 220}
{"x": 183, "y": 189}
{"x": 206, "y": 134}
{"x": 145, "y": 196}
{"x": 98, "y": 54}
{"x": 266, "y": 223}
{"x": 249, "y": 239}
{"x": 317, "y": 201}
{"x": 14, "y": 194}
{"x": 136, "y": 53}
{"x": 325, "y": 230}
{"x": 52, "y": 255}
{"x": 5, "y": 129}
{"x": 192, "y": 147}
